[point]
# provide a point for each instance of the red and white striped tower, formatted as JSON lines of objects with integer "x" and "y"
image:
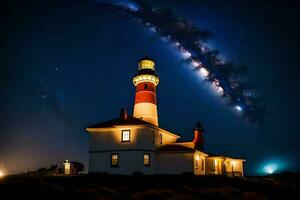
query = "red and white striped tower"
{"x": 145, "y": 81}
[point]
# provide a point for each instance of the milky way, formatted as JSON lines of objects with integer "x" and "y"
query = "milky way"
{"x": 226, "y": 79}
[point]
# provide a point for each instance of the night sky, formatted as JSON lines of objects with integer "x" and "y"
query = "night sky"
{"x": 68, "y": 64}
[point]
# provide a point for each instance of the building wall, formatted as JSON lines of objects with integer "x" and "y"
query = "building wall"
{"x": 199, "y": 163}
{"x": 213, "y": 166}
{"x": 224, "y": 166}
{"x": 104, "y": 142}
{"x": 146, "y": 111}
{"x": 140, "y": 138}
{"x": 166, "y": 139}
{"x": 111, "y": 139}
{"x": 174, "y": 162}
{"x": 130, "y": 162}
{"x": 143, "y": 139}
{"x": 234, "y": 167}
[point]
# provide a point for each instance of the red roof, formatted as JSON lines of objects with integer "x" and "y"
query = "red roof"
{"x": 120, "y": 121}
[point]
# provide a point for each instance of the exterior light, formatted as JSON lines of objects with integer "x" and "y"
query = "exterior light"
{"x": 146, "y": 64}
{"x": 1, "y": 174}
{"x": 197, "y": 157}
{"x": 233, "y": 163}
{"x": 145, "y": 78}
{"x": 67, "y": 166}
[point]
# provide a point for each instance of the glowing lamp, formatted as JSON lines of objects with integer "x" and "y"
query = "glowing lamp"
{"x": 233, "y": 163}
{"x": 146, "y": 64}
{"x": 197, "y": 157}
{"x": 1, "y": 174}
{"x": 67, "y": 166}
{"x": 145, "y": 78}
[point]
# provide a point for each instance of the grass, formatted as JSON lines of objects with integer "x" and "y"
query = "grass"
{"x": 139, "y": 187}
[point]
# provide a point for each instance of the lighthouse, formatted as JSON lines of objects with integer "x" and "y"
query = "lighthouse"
{"x": 145, "y": 81}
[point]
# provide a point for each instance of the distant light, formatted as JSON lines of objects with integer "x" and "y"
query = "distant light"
{"x": 273, "y": 165}
{"x": 197, "y": 157}
{"x": 238, "y": 108}
{"x": 1, "y": 174}
{"x": 270, "y": 168}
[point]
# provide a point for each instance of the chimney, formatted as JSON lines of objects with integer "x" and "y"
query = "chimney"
{"x": 198, "y": 137}
{"x": 123, "y": 114}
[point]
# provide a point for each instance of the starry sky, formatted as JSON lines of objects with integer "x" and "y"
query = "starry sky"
{"x": 67, "y": 64}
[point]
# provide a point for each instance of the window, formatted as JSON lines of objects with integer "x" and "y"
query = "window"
{"x": 114, "y": 160}
{"x": 153, "y": 136}
{"x": 202, "y": 164}
{"x": 126, "y": 136}
{"x": 146, "y": 159}
{"x": 145, "y": 86}
{"x": 160, "y": 138}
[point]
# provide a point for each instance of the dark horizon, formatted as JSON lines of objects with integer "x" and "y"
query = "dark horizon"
{"x": 69, "y": 64}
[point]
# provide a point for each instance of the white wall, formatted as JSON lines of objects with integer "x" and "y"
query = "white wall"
{"x": 143, "y": 139}
{"x": 174, "y": 162}
{"x": 224, "y": 165}
{"x": 166, "y": 138}
{"x": 234, "y": 166}
{"x": 199, "y": 163}
{"x": 140, "y": 138}
{"x": 129, "y": 162}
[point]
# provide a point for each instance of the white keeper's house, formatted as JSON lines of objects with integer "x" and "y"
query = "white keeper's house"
{"x": 127, "y": 145}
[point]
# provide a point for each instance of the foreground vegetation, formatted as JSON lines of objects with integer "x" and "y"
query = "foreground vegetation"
{"x": 139, "y": 187}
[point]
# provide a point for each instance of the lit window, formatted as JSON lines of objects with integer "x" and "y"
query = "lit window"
{"x": 146, "y": 159}
{"x": 114, "y": 160}
{"x": 202, "y": 164}
{"x": 126, "y": 136}
{"x": 160, "y": 138}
